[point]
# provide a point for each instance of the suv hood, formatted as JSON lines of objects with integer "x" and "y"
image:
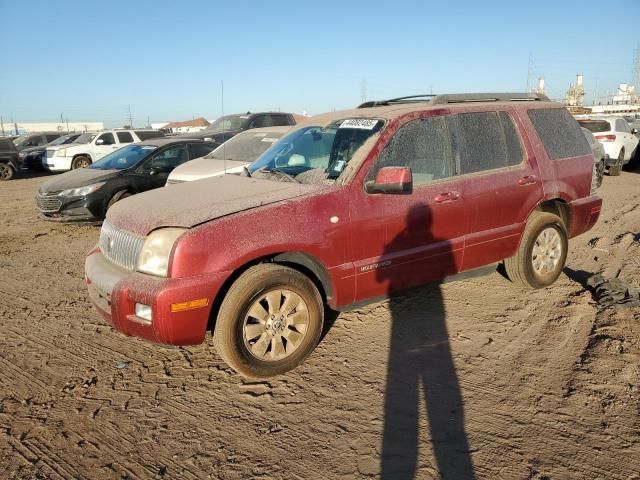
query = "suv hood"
{"x": 76, "y": 178}
{"x": 192, "y": 203}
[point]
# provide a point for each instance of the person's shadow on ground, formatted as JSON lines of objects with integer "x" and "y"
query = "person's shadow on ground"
{"x": 420, "y": 361}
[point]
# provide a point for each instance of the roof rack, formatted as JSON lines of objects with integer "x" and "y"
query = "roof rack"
{"x": 459, "y": 98}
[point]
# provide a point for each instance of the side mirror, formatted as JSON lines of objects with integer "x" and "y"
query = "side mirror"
{"x": 99, "y": 141}
{"x": 634, "y": 130}
{"x": 391, "y": 180}
{"x": 156, "y": 169}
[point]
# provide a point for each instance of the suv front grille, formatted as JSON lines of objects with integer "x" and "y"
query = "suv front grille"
{"x": 48, "y": 203}
{"x": 120, "y": 247}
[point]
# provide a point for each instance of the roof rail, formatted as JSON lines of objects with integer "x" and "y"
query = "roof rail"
{"x": 489, "y": 97}
{"x": 459, "y": 98}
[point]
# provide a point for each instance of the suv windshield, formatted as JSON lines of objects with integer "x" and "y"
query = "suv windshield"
{"x": 228, "y": 122}
{"x": 62, "y": 140}
{"x": 595, "y": 126}
{"x": 315, "y": 154}
{"x": 245, "y": 147}
{"x": 85, "y": 138}
{"x": 124, "y": 157}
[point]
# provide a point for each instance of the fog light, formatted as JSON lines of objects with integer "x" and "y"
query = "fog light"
{"x": 143, "y": 311}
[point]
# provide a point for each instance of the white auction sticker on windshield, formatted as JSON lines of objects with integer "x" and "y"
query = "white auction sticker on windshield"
{"x": 362, "y": 123}
{"x": 269, "y": 139}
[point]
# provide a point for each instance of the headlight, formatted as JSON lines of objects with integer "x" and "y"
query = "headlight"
{"x": 154, "y": 256}
{"x": 61, "y": 152}
{"x": 22, "y": 154}
{"x": 82, "y": 191}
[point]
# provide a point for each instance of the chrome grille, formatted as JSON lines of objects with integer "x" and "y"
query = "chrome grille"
{"x": 48, "y": 203}
{"x": 120, "y": 247}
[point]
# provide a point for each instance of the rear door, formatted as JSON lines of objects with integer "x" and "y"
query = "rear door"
{"x": 500, "y": 184}
{"x": 404, "y": 240}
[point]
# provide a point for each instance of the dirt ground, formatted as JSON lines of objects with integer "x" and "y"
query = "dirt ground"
{"x": 470, "y": 379}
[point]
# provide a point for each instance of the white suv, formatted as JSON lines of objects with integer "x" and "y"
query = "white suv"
{"x": 617, "y": 138}
{"x": 93, "y": 147}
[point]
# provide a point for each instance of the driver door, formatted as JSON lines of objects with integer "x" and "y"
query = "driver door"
{"x": 154, "y": 172}
{"x": 104, "y": 144}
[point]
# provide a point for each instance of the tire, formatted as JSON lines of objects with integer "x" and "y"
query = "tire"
{"x": 6, "y": 172}
{"x": 615, "y": 170}
{"x": 117, "y": 197}
{"x": 522, "y": 269}
{"x": 80, "y": 162}
{"x": 251, "y": 326}
{"x": 600, "y": 173}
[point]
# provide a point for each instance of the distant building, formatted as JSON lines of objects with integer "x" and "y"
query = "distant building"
{"x": 19, "y": 128}
{"x": 188, "y": 126}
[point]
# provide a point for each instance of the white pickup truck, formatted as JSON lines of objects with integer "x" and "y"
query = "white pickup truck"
{"x": 90, "y": 147}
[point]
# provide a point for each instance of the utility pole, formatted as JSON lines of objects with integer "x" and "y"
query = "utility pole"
{"x": 67, "y": 120}
{"x": 363, "y": 91}
{"x": 130, "y": 117}
{"x": 2, "y": 125}
{"x": 148, "y": 122}
{"x": 529, "y": 74}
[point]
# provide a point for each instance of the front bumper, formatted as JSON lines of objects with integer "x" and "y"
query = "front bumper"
{"x": 57, "y": 208}
{"x": 115, "y": 292}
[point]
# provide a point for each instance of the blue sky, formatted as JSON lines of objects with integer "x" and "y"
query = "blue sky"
{"x": 89, "y": 60}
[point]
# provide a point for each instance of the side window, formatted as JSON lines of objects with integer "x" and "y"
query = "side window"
{"x": 559, "y": 132}
{"x": 147, "y": 134}
{"x": 51, "y": 138}
{"x": 422, "y": 145}
{"x": 107, "y": 139}
{"x": 170, "y": 158}
{"x": 125, "y": 137}
{"x": 37, "y": 140}
{"x": 200, "y": 149}
{"x": 515, "y": 152}
{"x": 478, "y": 142}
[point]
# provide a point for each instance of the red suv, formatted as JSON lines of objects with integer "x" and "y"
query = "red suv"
{"x": 346, "y": 209}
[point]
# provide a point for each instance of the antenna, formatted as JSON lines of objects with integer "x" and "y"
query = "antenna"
{"x": 224, "y": 153}
{"x": 363, "y": 90}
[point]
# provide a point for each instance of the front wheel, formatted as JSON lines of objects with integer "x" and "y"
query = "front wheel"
{"x": 80, "y": 162}
{"x": 542, "y": 252}
{"x": 6, "y": 171}
{"x": 269, "y": 321}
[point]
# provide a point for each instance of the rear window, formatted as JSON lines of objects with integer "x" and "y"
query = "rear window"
{"x": 147, "y": 134}
{"x": 559, "y": 132}
{"x": 595, "y": 126}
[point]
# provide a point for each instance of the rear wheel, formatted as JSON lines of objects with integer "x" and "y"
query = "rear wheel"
{"x": 542, "y": 252}
{"x": 600, "y": 173}
{"x": 6, "y": 171}
{"x": 269, "y": 321}
{"x": 80, "y": 162}
{"x": 614, "y": 171}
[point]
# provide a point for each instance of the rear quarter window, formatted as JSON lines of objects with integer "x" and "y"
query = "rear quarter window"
{"x": 559, "y": 132}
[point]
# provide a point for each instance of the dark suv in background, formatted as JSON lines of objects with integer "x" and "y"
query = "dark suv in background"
{"x": 32, "y": 157}
{"x": 226, "y": 127}
{"x": 9, "y": 159}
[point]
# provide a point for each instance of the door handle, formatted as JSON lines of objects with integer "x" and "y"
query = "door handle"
{"x": 446, "y": 197}
{"x": 528, "y": 180}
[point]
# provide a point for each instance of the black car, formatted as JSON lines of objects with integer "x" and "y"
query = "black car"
{"x": 226, "y": 127}
{"x": 9, "y": 159}
{"x": 39, "y": 139}
{"x": 86, "y": 194}
{"x": 32, "y": 156}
